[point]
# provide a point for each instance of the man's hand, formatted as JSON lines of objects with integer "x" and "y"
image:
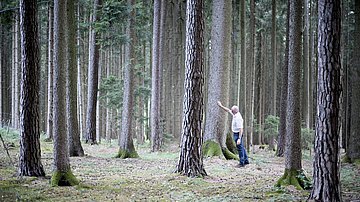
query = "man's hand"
{"x": 238, "y": 142}
{"x": 219, "y": 103}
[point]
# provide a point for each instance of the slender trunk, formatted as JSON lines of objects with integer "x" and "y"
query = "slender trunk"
{"x": 273, "y": 57}
{"x": 93, "y": 78}
{"x": 252, "y": 69}
{"x": 155, "y": 81}
{"x": 284, "y": 92}
{"x": 49, "y": 124}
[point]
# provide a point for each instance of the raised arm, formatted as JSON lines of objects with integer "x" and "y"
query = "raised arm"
{"x": 224, "y": 108}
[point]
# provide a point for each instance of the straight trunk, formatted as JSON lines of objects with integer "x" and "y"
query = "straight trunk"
{"x": 293, "y": 120}
{"x": 50, "y": 110}
{"x": 30, "y": 152}
{"x": 155, "y": 81}
{"x": 326, "y": 172}
{"x": 273, "y": 56}
{"x": 252, "y": 69}
{"x": 75, "y": 147}
{"x": 93, "y": 78}
{"x": 284, "y": 92}
{"x": 306, "y": 67}
{"x": 62, "y": 175}
{"x": 191, "y": 159}
{"x": 127, "y": 149}
{"x": 353, "y": 151}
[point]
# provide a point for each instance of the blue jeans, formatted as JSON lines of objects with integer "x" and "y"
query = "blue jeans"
{"x": 241, "y": 150}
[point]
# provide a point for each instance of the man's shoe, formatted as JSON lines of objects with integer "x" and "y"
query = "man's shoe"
{"x": 239, "y": 166}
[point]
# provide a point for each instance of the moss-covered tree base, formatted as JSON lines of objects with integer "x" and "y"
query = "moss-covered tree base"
{"x": 296, "y": 178}
{"x": 63, "y": 179}
{"x": 124, "y": 154}
{"x": 229, "y": 155}
{"x": 230, "y": 144}
{"x": 211, "y": 148}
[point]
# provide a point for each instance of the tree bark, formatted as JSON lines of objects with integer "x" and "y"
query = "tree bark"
{"x": 50, "y": 109}
{"x": 75, "y": 147}
{"x": 191, "y": 159}
{"x": 273, "y": 56}
{"x": 353, "y": 151}
{"x": 30, "y": 152}
{"x": 127, "y": 149}
{"x": 93, "y": 78}
{"x": 62, "y": 175}
{"x": 326, "y": 172}
{"x": 155, "y": 80}
{"x": 306, "y": 68}
{"x": 219, "y": 77}
{"x": 284, "y": 92}
{"x": 293, "y": 154}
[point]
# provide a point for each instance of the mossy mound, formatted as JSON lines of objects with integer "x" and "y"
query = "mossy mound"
{"x": 230, "y": 144}
{"x": 211, "y": 148}
{"x": 296, "y": 178}
{"x": 63, "y": 179}
{"x": 124, "y": 154}
{"x": 229, "y": 155}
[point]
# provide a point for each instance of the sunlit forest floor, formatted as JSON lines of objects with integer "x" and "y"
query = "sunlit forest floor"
{"x": 151, "y": 177}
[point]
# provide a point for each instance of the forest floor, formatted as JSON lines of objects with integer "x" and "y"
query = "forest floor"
{"x": 151, "y": 177}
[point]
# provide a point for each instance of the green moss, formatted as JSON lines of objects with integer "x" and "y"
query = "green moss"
{"x": 211, "y": 148}
{"x": 229, "y": 155}
{"x": 123, "y": 154}
{"x": 346, "y": 159}
{"x": 63, "y": 179}
{"x": 230, "y": 144}
{"x": 356, "y": 162}
{"x": 296, "y": 178}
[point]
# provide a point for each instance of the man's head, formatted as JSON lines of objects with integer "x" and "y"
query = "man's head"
{"x": 234, "y": 109}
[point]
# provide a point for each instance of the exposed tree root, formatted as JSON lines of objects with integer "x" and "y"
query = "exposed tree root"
{"x": 124, "y": 154}
{"x": 230, "y": 144}
{"x": 296, "y": 178}
{"x": 229, "y": 155}
{"x": 63, "y": 179}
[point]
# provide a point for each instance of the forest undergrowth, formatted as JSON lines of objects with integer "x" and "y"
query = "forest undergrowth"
{"x": 151, "y": 177}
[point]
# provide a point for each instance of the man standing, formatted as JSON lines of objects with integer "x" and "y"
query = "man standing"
{"x": 237, "y": 127}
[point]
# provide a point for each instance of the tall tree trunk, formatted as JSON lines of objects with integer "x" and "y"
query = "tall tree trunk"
{"x": 50, "y": 109}
{"x": 93, "y": 78}
{"x": 79, "y": 76}
{"x": 30, "y": 152}
{"x": 353, "y": 151}
{"x": 179, "y": 71}
{"x": 191, "y": 159}
{"x": 127, "y": 149}
{"x": 243, "y": 80}
{"x": 1, "y": 75}
{"x": 293, "y": 168}
{"x": 273, "y": 56}
{"x": 259, "y": 83}
{"x": 326, "y": 172}
{"x": 62, "y": 175}
{"x": 252, "y": 69}
{"x": 98, "y": 125}
{"x": 75, "y": 147}
{"x": 218, "y": 83}
{"x": 16, "y": 73}
{"x": 306, "y": 67}
{"x": 155, "y": 79}
{"x": 284, "y": 92}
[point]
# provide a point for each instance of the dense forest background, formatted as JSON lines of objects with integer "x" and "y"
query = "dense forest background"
{"x": 116, "y": 71}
